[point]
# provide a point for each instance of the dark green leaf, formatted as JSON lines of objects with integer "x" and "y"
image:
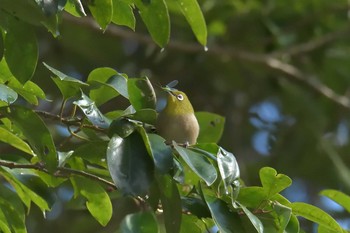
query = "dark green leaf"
{"x": 98, "y": 201}
{"x": 92, "y": 112}
{"x": 104, "y": 92}
{"x": 36, "y": 132}
{"x": 21, "y": 50}
{"x": 4, "y": 225}
{"x": 161, "y": 153}
{"x": 123, "y": 14}
{"x": 147, "y": 116}
{"x": 119, "y": 83}
{"x": 15, "y": 141}
{"x": 93, "y": 152}
{"x": 51, "y": 7}
{"x": 142, "y": 222}
{"x": 339, "y": 197}
{"x": 226, "y": 220}
{"x": 68, "y": 86}
{"x": 211, "y": 127}
{"x": 141, "y": 93}
{"x": 129, "y": 164}
{"x": 122, "y": 127}
{"x": 272, "y": 182}
{"x": 196, "y": 207}
{"x": 157, "y": 24}
{"x": 102, "y": 11}
{"x": 7, "y": 95}
{"x": 171, "y": 203}
{"x": 198, "y": 163}
{"x": 315, "y": 214}
{"x": 293, "y": 225}
{"x": 1, "y": 45}
{"x": 193, "y": 14}
{"x": 228, "y": 167}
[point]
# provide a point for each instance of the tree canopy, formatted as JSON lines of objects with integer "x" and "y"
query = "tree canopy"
{"x": 79, "y": 100}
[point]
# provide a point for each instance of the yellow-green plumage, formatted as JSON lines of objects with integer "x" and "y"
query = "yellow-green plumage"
{"x": 177, "y": 121}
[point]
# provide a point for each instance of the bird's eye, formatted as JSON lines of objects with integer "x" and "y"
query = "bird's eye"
{"x": 180, "y": 97}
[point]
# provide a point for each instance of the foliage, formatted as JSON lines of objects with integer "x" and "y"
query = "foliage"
{"x": 115, "y": 156}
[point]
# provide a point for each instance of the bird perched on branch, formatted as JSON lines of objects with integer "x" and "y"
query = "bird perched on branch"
{"x": 177, "y": 121}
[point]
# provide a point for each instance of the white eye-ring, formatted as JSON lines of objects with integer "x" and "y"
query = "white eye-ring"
{"x": 180, "y": 97}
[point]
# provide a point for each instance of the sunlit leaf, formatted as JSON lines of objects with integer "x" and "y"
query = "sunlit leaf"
{"x": 123, "y": 14}
{"x": 142, "y": 222}
{"x": 284, "y": 214}
{"x": 198, "y": 163}
{"x": 36, "y": 132}
{"x": 157, "y": 24}
{"x": 104, "y": 91}
{"x": 211, "y": 127}
{"x": 129, "y": 164}
{"x": 228, "y": 167}
{"x": 98, "y": 201}
{"x": 141, "y": 93}
{"x": 91, "y": 111}
{"x": 14, "y": 219}
{"x": 315, "y": 214}
{"x": 29, "y": 91}
{"x": 272, "y": 182}
{"x": 337, "y": 196}
{"x": 193, "y": 14}
{"x": 15, "y": 141}
{"x": 5, "y": 73}
{"x": 75, "y": 7}
{"x": 21, "y": 50}
{"x": 7, "y": 95}
{"x": 102, "y": 10}
{"x": 171, "y": 203}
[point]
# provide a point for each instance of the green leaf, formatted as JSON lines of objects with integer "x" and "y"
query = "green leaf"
{"x": 7, "y": 95}
{"x": 122, "y": 127}
{"x": 75, "y": 7}
{"x": 102, "y": 10}
{"x": 226, "y": 220}
{"x": 14, "y": 220}
{"x": 26, "y": 194}
{"x": 30, "y": 12}
{"x": 98, "y": 201}
{"x": 105, "y": 91}
{"x": 272, "y": 182}
{"x": 93, "y": 152}
{"x": 123, "y": 14}
{"x": 148, "y": 116}
{"x": 199, "y": 164}
{"x": 5, "y": 73}
{"x": 142, "y": 222}
{"x": 129, "y": 164}
{"x": 228, "y": 167}
{"x": 29, "y": 91}
{"x": 161, "y": 153}
{"x": 193, "y": 14}
{"x": 15, "y": 141}
{"x": 253, "y": 219}
{"x": 51, "y": 7}
{"x": 21, "y": 50}
{"x": 339, "y": 197}
{"x": 293, "y": 225}
{"x": 315, "y": 214}
{"x": 171, "y": 203}
{"x": 195, "y": 206}
{"x": 157, "y": 24}
{"x": 284, "y": 214}
{"x": 211, "y": 127}
{"x": 141, "y": 93}
{"x": 1, "y": 45}
{"x": 36, "y": 132}
{"x": 91, "y": 111}
{"x": 68, "y": 86}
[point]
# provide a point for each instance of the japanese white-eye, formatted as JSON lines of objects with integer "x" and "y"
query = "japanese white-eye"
{"x": 177, "y": 121}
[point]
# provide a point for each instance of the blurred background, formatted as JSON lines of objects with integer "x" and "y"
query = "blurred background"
{"x": 279, "y": 71}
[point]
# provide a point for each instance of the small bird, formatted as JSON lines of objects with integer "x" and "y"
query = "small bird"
{"x": 177, "y": 122}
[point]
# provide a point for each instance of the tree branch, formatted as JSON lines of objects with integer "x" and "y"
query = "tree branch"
{"x": 268, "y": 60}
{"x": 58, "y": 173}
